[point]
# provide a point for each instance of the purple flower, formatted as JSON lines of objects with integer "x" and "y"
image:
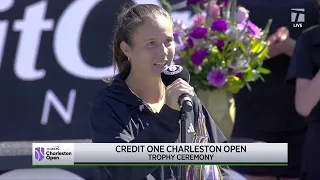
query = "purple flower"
{"x": 220, "y": 44}
{"x": 217, "y": 78}
{"x": 199, "y": 33}
{"x": 231, "y": 70}
{"x": 239, "y": 75}
{"x": 181, "y": 47}
{"x": 219, "y": 25}
{"x": 190, "y": 43}
{"x": 254, "y": 30}
{"x": 198, "y": 56}
{"x": 176, "y": 34}
{"x": 225, "y": 3}
{"x": 193, "y": 2}
{"x": 241, "y": 15}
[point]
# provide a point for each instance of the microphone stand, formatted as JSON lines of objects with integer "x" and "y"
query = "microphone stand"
{"x": 186, "y": 102}
{"x": 183, "y": 128}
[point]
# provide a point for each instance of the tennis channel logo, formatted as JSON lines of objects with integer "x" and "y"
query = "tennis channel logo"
{"x": 49, "y": 154}
{"x": 297, "y": 17}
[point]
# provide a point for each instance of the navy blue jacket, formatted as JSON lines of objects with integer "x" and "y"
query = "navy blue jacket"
{"x": 305, "y": 64}
{"x": 118, "y": 116}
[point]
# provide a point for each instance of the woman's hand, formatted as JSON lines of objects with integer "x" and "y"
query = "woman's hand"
{"x": 281, "y": 43}
{"x": 175, "y": 90}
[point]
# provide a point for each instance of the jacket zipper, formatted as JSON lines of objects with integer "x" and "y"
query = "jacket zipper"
{"x": 151, "y": 112}
{"x": 147, "y": 105}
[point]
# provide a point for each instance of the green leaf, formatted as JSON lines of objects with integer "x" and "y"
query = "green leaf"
{"x": 222, "y": 36}
{"x": 243, "y": 49}
{"x": 232, "y": 45}
{"x": 234, "y": 84}
{"x": 262, "y": 79}
{"x": 248, "y": 86}
{"x": 197, "y": 8}
{"x": 249, "y": 76}
{"x": 214, "y": 50}
{"x": 266, "y": 30}
{"x": 263, "y": 70}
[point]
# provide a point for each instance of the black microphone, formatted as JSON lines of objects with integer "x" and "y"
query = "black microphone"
{"x": 169, "y": 75}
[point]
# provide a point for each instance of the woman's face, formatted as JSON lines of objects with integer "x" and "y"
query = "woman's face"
{"x": 153, "y": 47}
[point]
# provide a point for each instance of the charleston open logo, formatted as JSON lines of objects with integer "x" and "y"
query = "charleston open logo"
{"x": 50, "y": 153}
{"x": 39, "y": 153}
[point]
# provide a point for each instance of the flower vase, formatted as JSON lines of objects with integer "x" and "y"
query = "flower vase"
{"x": 221, "y": 107}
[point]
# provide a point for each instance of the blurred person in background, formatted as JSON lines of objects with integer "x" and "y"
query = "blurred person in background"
{"x": 304, "y": 72}
{"x": 267, "y": 113}
{"x": 136, "y": 107}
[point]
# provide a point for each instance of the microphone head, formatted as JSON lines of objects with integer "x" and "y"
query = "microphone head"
{"x": 173, "y": 72}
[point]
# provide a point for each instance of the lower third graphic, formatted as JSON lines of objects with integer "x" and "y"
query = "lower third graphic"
{"x": 39, "y": 153}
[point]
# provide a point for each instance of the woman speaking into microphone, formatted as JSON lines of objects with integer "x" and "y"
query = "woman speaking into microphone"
{"x": 136, "y": 107}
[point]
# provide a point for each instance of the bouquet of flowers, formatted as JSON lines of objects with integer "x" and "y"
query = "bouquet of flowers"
{"x": 223, "y": 48}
